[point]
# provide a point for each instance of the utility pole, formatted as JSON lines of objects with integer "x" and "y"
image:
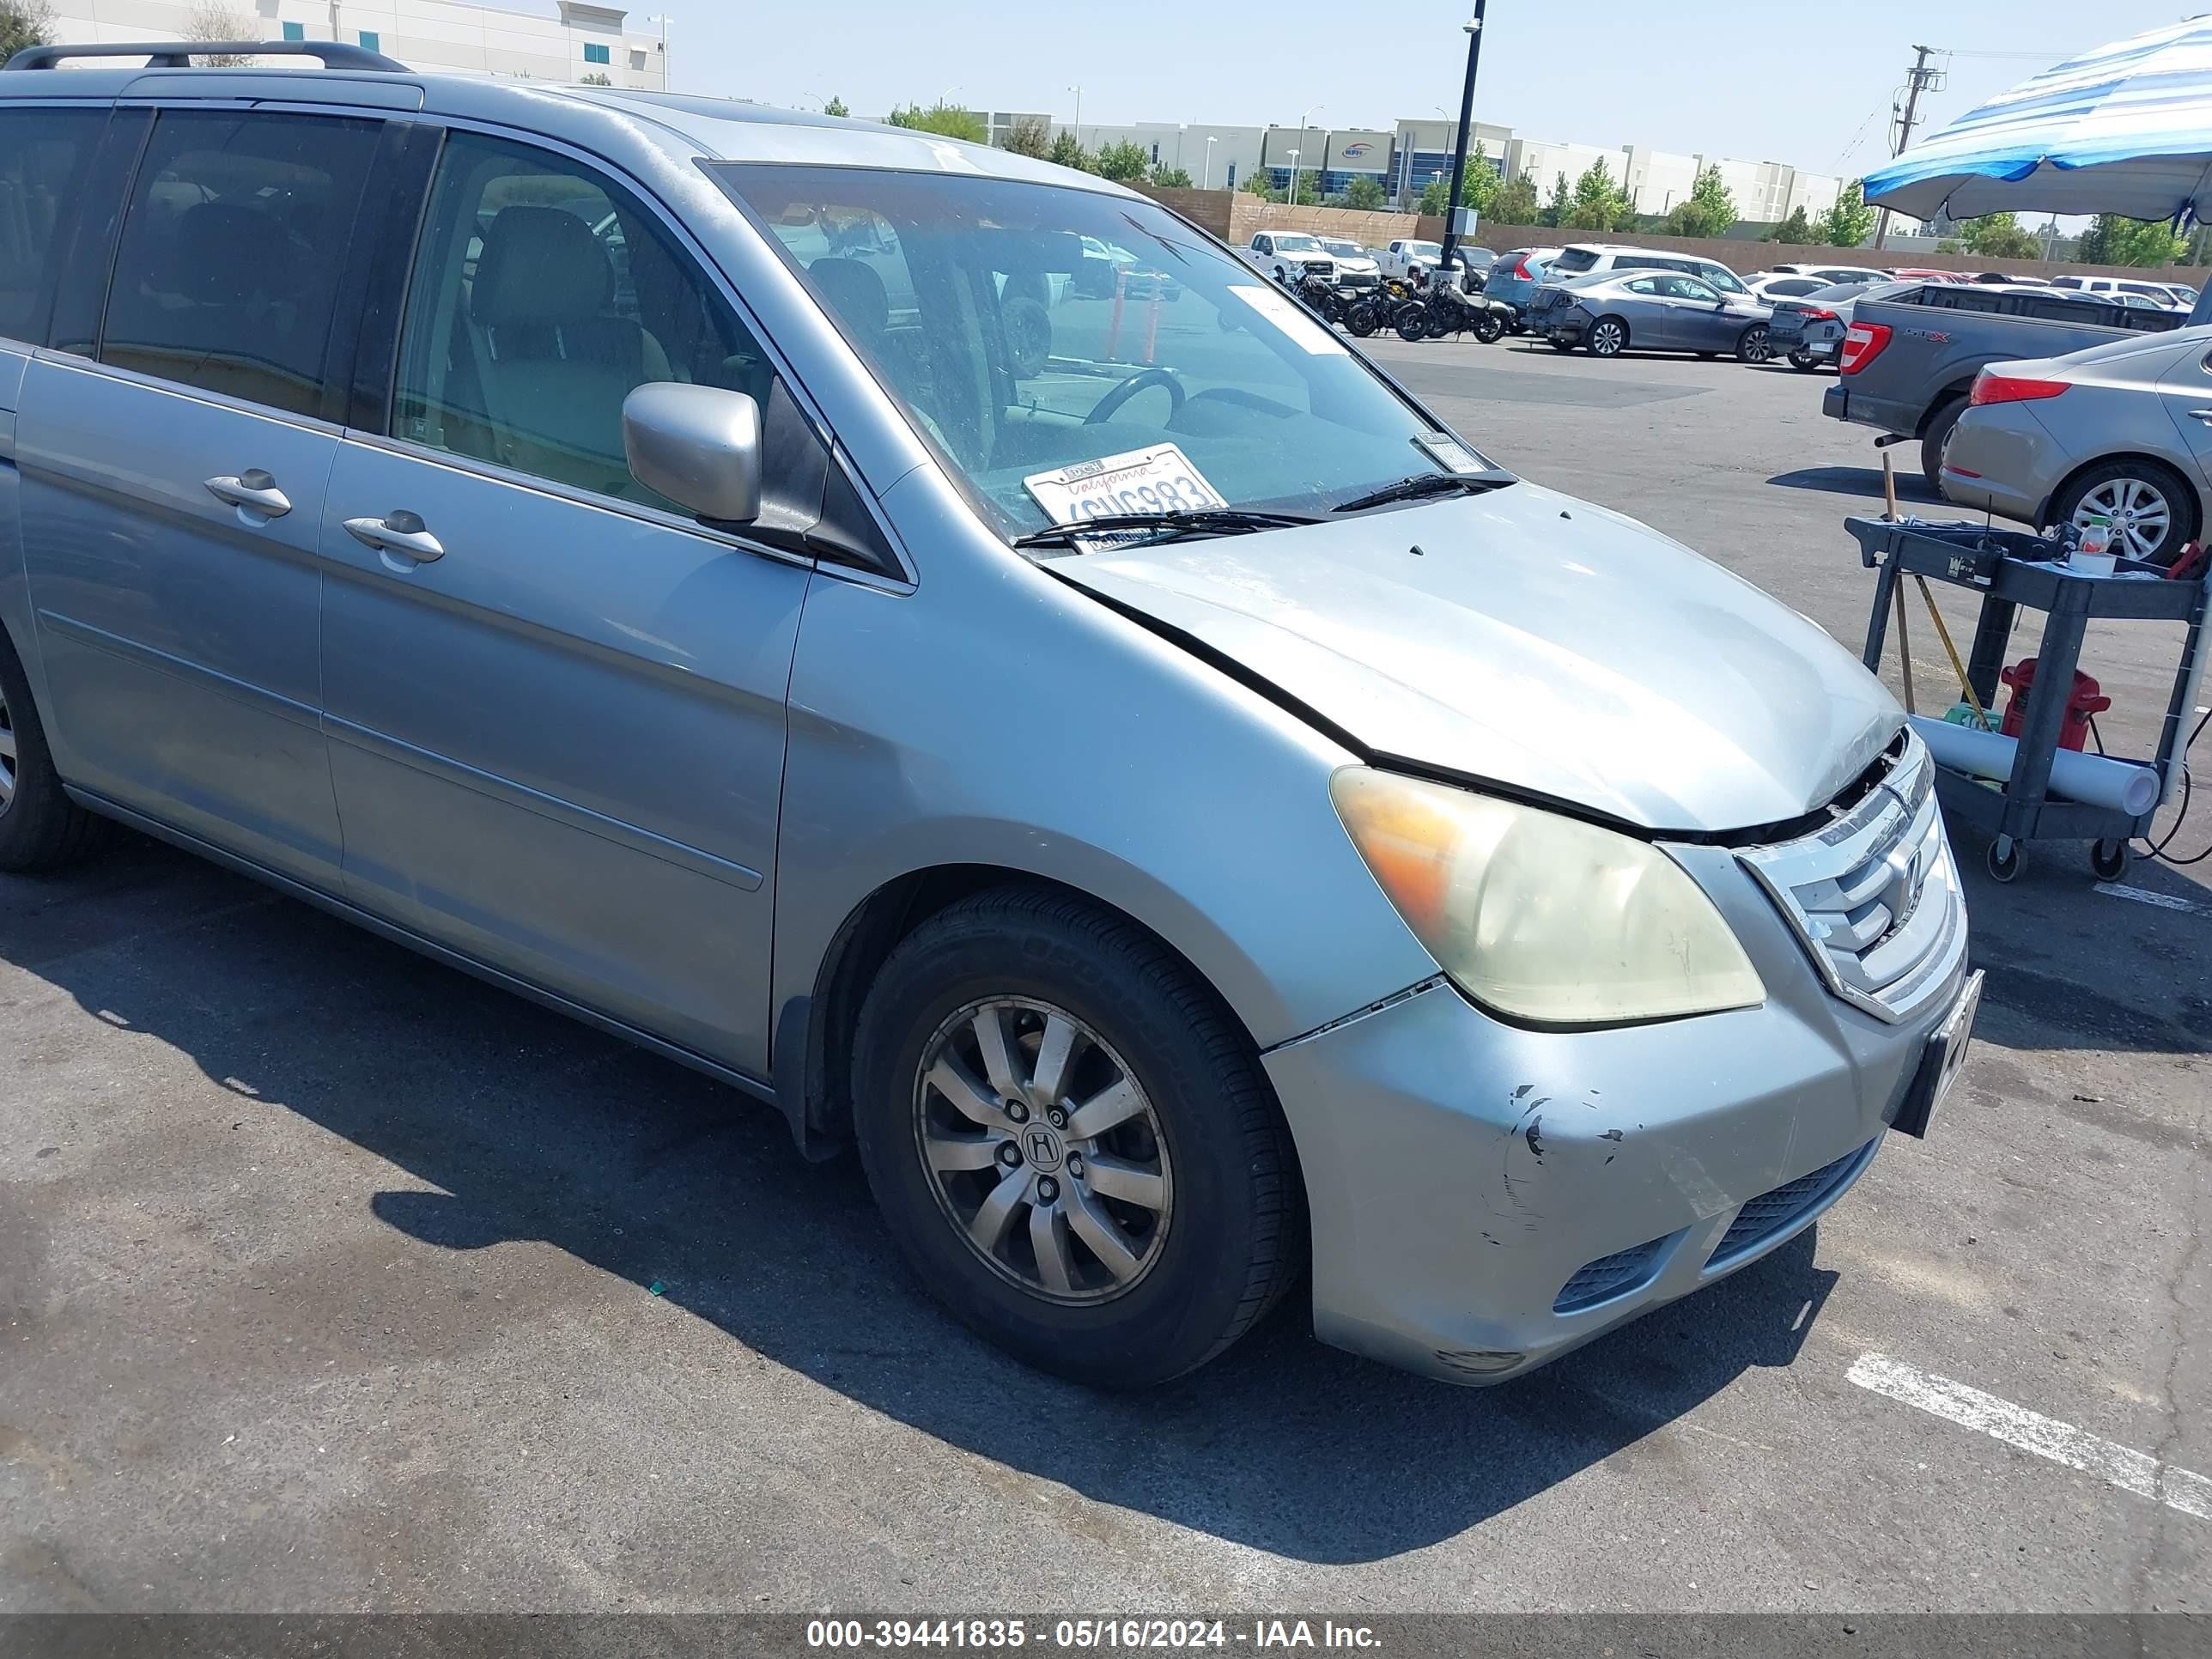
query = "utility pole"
{"x": 1474, "y": 28}
{"x": 1918, "y": 79}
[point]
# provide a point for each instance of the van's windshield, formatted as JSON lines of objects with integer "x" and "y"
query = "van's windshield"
{"x": 1032, "y": 332}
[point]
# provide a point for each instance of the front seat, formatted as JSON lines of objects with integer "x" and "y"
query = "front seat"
{"x": 553, "y": 364}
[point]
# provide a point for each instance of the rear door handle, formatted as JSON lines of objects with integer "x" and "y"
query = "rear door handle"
{"x": 252, "y": 489}
{"x": 2203, "y": 415}
{"x": 399, "y": 532}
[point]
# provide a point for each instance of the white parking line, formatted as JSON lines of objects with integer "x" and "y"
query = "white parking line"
{"x": 2046, "y": 1436}
{"x": 2164, "y": 902}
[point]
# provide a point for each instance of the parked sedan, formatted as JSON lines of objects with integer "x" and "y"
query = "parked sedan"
{"x": 2122, "y": 430}
{"x": 1810, "y": 331}
{"x": 1652, "y": 310}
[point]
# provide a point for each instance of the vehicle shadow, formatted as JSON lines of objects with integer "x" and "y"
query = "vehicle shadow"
{"x": 1864, "y": 482}
{"x": 532, "y": 1127}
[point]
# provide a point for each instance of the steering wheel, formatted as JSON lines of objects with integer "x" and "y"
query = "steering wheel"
{"x": 1110, "y": 404}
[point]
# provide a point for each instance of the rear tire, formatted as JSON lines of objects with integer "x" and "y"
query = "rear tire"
{"x": 1558, "y": 344}
{"x": 1608, "y": 337}
{"x": 2121, "y": 487}
{"x": 1803, "y": 359}
{"x": 41, "y": 827}
{"x": 1414, "y": 323}
{"x": 1204, "y": 1228}
{"x": 1932, "y": 440}
{"x": 1360, "y": 321}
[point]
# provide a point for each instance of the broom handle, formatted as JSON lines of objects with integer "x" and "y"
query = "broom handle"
{"x": 1957, "y": 668}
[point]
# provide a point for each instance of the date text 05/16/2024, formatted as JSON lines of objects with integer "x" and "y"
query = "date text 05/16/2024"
{"x": 1111, "y": 1634}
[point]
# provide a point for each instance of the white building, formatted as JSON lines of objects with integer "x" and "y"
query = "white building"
{"x": 560, "y": 40}
{"x": 1541, "y": 162}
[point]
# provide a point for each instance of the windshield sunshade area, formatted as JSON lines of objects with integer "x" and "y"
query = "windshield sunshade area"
{"x": 1032, "y": 332}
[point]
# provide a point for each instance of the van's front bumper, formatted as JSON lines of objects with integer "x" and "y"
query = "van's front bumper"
{"x": 1469, "y": 1179}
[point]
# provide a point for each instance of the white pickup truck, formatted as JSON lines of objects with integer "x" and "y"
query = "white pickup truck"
{"x": 1408, "y": 254}
{"x": 1286, "y": 253}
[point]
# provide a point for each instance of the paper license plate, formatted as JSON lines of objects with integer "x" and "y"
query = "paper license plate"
{"x": 1160, "y": 480}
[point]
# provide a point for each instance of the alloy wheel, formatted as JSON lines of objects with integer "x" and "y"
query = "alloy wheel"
{"x": 1607, "y": 339}
{"x": 1043, "y": 1151}
{"x": 2141, "y": 515}
{"x": 1754, "y": 347}
{"x": 7, "y": 758}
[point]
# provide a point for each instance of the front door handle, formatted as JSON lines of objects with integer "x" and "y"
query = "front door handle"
{"x": 398, "y": 532}
{"x": 252, "y": 489}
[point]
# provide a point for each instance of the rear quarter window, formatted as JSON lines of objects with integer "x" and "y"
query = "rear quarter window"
{"x": 1572, "y": 260}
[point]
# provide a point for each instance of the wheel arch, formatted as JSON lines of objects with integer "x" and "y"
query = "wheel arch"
{"x": 814, "y": 1033}
{"x": 2192, "y": 491}
{"x": 1958, "y": 391}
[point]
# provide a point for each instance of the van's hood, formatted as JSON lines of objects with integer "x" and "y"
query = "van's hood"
{"x": 1536, "y": 641}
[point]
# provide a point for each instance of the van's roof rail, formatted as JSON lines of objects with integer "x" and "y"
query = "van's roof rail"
{"x": 178, "y": 54}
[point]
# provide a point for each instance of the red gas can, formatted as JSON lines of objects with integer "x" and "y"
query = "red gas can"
{"x": 2074, "y": 729}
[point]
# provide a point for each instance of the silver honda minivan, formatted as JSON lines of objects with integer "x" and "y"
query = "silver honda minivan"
{"x": 1198, "y": 829}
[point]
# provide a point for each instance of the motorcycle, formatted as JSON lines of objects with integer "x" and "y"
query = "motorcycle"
{"x": 1382, "y": 307}
{"x": 1334, "y": 303}
{"x": 1444, "y": 309}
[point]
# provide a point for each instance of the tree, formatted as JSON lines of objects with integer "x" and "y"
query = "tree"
{"x": 1030, "y": 136}
{"x": 1515, "y": 204}
{"x": 1436, "y": 195}
{"x": 1709, "y": 210}
{"x": 947, "y": 120}
{"x": 1258, "y": 184}
{"x": 596, "y": 78}
{"x": 1998, "y": 236}
{"x": 1598, "y": 203}
{"x": 1848, "y": 223}
{"x": 837, "y": 106}
{"x": 2112, "y": 241}
{"x": 1561, "y": 205}
{"x": 1365, "y": 193}
{"x": 212, "y": 20}
{"x": 1067, "y": 151}
{"x": 1797, "y": 228}
{"x": 1306, "y": 192}
{"x": 1172, "y": 179}
{"x": 1122, "y": 160}
{"x": 24, "y": 23}
{"x": 1478, "y": 189}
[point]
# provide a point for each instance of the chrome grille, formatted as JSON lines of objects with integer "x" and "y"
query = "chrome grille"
{"x": 1873, "y": 896}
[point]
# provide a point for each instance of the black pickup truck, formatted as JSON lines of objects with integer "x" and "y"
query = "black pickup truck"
{"x": 1909, "y": 360}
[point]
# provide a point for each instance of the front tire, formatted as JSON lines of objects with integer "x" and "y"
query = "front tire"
{"x": 1489, "y": 329}
{"x": 1360, "y": 321}
{"x": 1751, "y": 345}
{"x": 1072, "y": 1142}
{"x": 41, "y": 827}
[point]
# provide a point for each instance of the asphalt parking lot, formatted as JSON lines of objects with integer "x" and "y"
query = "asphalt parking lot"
{"x": 333, "y": 1279}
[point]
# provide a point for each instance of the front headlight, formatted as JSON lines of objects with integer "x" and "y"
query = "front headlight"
{"x": 1542, "y": 917}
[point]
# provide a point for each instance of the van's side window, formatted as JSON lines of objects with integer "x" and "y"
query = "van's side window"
{"x": 543, "y": 294}
{"x": 226, "y": 272}
{"x": 43, "y": 153}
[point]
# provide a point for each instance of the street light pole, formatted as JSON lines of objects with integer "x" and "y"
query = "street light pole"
{"x": 1210, "y": 144}
{"x": 1291, "y": 200}
{"x": 1473, "y": 27}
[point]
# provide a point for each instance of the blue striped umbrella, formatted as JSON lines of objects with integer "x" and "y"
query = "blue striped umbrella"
{"x": 2126, "y": 129}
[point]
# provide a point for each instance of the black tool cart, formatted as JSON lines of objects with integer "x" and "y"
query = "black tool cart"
{"x": 2009, "y": 569}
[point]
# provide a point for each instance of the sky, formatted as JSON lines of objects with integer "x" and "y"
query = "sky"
{"x": 1694, "y": 76}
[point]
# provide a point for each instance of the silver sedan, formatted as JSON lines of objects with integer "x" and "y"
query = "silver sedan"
{"x": 2122, "y": 430}
{"x": 1653, "y": 311}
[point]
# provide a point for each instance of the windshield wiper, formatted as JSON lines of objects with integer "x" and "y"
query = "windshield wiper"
{"x": 1428, "y": 484}
{"x": 1205, "y": 521}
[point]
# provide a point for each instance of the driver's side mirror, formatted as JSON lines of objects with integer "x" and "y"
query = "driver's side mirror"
{"x": 700, "y": 446}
